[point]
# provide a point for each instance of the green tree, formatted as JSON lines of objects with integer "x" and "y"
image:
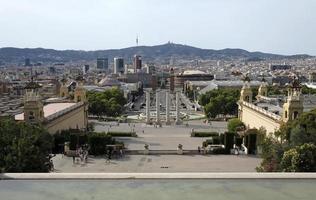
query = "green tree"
{"x": 303, "y": 130}
{"x": 222, "y": 101}
{"x": 272, "y": 152}
{"x": 306, "y": 90}
{"x": 234, "y": 125}
{"x": 24, "y": 147}
{"x": 292, "y": 148}
{"x": 300, "y": 159}
{"x": 110, "y": 102}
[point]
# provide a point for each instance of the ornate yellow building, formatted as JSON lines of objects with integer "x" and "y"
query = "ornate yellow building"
{"x": 266, "y": 112}
{"x": 55, "y": 117}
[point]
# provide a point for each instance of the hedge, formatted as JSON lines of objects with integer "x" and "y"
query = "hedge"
{"x": 204, "y": 134}
{"x": 122, "y": 134}
{"x": 227, "y": 139}
{"x": 96, "y": 141}
{"x": 219, "y": 150}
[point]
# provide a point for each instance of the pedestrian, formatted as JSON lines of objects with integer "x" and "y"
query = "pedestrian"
{"x": 51, "y": 165}
{"x": 199, "y": 149}
{"x": 107, "y": 156}
{"x": 73, "y": 159}
{"x": 121, "y": 153}
{"x": 110, "y": 154}
{"x": 143, "y": 131}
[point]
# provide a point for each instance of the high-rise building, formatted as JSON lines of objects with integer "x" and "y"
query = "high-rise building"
{"x": 118, "y": 66}
{"x": 126, "y": 69}
{"x": 137, "y": 63}
{"x": 102, "y": 63}
{"x": 27, "y": 62}
{"x": 150, "y": 69}
{"x": 85, "y": 69}
{"x": 171, "y": 80}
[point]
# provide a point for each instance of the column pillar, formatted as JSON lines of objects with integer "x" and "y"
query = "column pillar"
{"x": 158, "y": 107}
{"x": 167, "y": 108}
{"x": 147, "y": 107}
{"x": 178, "y": 121}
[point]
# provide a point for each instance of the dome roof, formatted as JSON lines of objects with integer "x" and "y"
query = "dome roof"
{"x": 109, "y": 81}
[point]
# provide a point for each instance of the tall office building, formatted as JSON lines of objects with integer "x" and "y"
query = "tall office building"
{"x": 85, "y": 69}
{"x": 102, "y": 63}
{"x": 137, "y": 63}
{"x": 171, "y": 80}
{"x": 118, "y": 66}
{"x": 27, "y": 62}
{"x": 126, "y": 69}
{"x": 150, "y": 69}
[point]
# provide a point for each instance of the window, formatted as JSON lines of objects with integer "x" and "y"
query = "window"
{"x": 295, "y": 114}
{"x": 31, "y": 115}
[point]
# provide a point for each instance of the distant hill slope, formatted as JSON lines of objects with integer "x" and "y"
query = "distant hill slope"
{"x": 149, "y": 53}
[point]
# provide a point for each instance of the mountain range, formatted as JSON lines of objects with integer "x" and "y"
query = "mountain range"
{"x": 158, "y": 53}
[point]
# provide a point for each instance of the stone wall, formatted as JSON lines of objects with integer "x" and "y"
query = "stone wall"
{"x": 255, "y": 119}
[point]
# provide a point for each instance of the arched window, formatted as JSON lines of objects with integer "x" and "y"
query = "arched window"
{"x": 295, "y": 114}
{"x": 247, "y": 98}
{"x": 285, "y": 114}
{"x": 31, "y": 115}
{"x": 78, "y": 98}
{"x": 62, "y": 94}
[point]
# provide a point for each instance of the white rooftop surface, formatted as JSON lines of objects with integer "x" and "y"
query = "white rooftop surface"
{"x": 311, "y": 85}
{"x": 193, "y": 72}
{"x": 49, "y": 109}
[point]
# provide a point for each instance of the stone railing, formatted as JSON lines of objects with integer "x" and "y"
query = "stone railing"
{"x": 263, "y": 111}
{"x": 62, "y": 112}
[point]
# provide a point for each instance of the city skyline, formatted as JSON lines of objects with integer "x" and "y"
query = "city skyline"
{"x": 282, "y": 27}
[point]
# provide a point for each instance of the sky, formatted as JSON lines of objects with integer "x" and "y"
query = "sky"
{"x": 274, "y": 26}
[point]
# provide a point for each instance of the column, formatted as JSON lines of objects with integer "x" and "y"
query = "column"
{"x": 178, "y": 107}
{"x": 158, "y": 107}
{"x": 167, "y": 108}
{"x": 147, "y": 107}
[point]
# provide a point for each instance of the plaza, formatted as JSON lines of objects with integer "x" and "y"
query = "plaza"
{"x": 159, "y": 139}
{"x": 160, "y": 163}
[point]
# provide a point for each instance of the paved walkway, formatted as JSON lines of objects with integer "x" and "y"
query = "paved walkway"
{"x": 162, "y": 163}
{"x": 164, "y": 138}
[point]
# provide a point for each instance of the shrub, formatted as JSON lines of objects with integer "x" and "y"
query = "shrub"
{"x": 59, "y": 141}
{"x": 204, "y": 134}
{"x": 300, "y": 159}
{"x": 73, "y": 142}
{"x": 229, "y": 141}
{"x": 24, "y": 147}
{"x": 98, "y": 142}
{"x": 219, "y": 150}
{"x": 234, "y": 125}
{"x": 122, "y": 134}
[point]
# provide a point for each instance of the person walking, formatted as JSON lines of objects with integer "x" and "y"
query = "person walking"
{"x": 108, "y": 157}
